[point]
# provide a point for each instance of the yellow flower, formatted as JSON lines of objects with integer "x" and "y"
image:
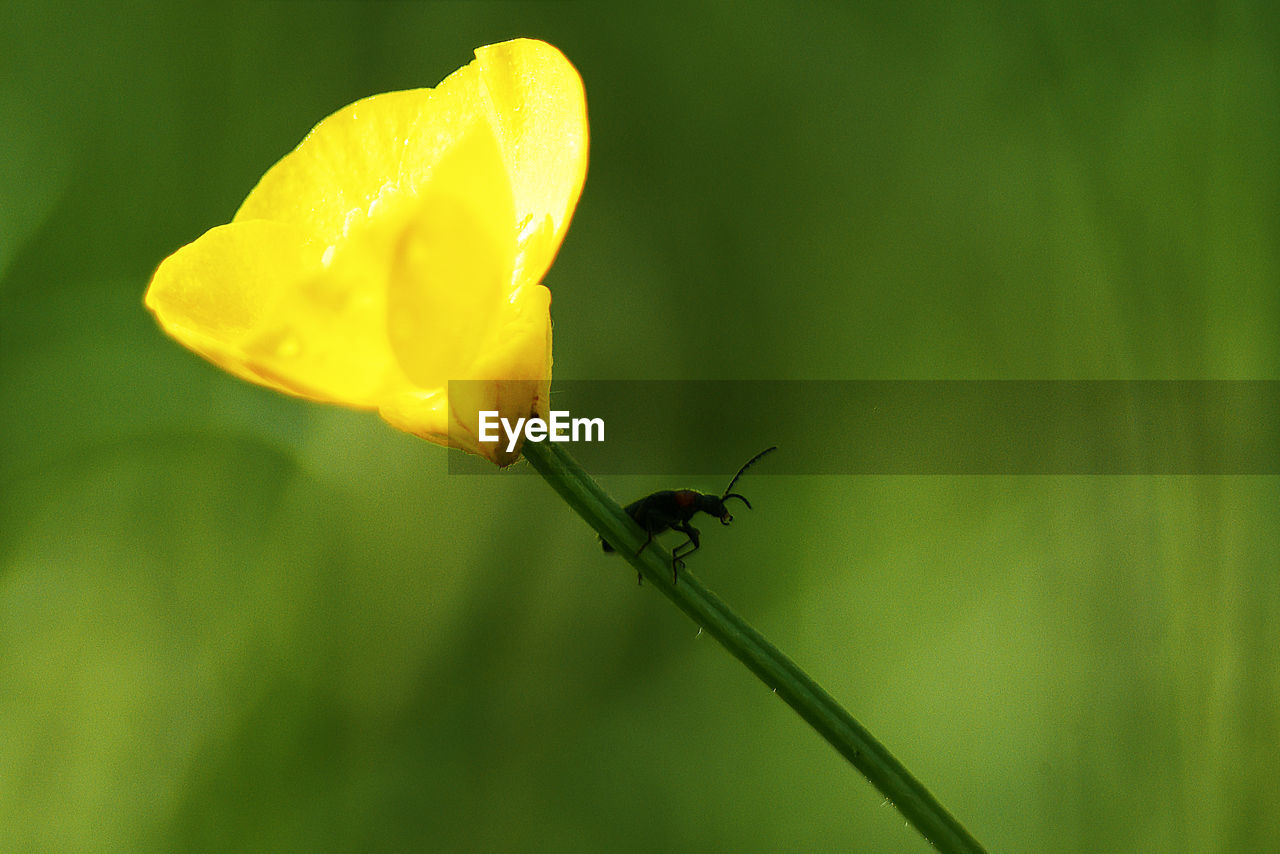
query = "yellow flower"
{"x": 401, "y": 245}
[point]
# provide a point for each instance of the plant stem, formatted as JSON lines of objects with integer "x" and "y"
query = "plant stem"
{"x": 778, "y": 672}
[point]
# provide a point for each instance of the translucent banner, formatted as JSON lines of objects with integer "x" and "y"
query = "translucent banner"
{"x": 933, "y": 427}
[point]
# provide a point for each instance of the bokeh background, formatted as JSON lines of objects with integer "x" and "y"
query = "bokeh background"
{"x": 235, "y": 621}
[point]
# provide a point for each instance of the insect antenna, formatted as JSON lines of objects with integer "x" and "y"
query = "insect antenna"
{"x": 749, "y": 463}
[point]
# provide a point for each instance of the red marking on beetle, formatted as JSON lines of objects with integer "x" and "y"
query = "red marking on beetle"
{"x": 686, "y": 497}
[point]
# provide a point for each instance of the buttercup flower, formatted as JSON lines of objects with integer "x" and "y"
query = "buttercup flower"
{"x": 401, "y": 245}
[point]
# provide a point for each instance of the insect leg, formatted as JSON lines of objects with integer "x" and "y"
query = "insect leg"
{"x": 677, "y": 557}
{"x": 646, "y": 544}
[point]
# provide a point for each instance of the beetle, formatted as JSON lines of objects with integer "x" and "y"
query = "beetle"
{"x": 674, "y": 508}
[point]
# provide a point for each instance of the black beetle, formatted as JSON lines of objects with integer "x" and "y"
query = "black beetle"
{"x": 673, "y": 508}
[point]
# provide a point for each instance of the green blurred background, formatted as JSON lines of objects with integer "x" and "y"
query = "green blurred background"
{"x": 235, "y": 621}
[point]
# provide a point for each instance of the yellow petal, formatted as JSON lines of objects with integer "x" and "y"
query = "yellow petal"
{"x": 352, "y": 163}
{"x": 325, "y": 337}
{"x": 365, "y": 155}
{"x": 258, "y": 300}
{"x": 539, "y": 112}
{"x": 450, "y": 271}
{"x": 212, "y": 294}
{"x": 512, "y": 377}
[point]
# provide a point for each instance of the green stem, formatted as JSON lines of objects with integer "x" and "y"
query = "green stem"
{"x": 780, "y": 673}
